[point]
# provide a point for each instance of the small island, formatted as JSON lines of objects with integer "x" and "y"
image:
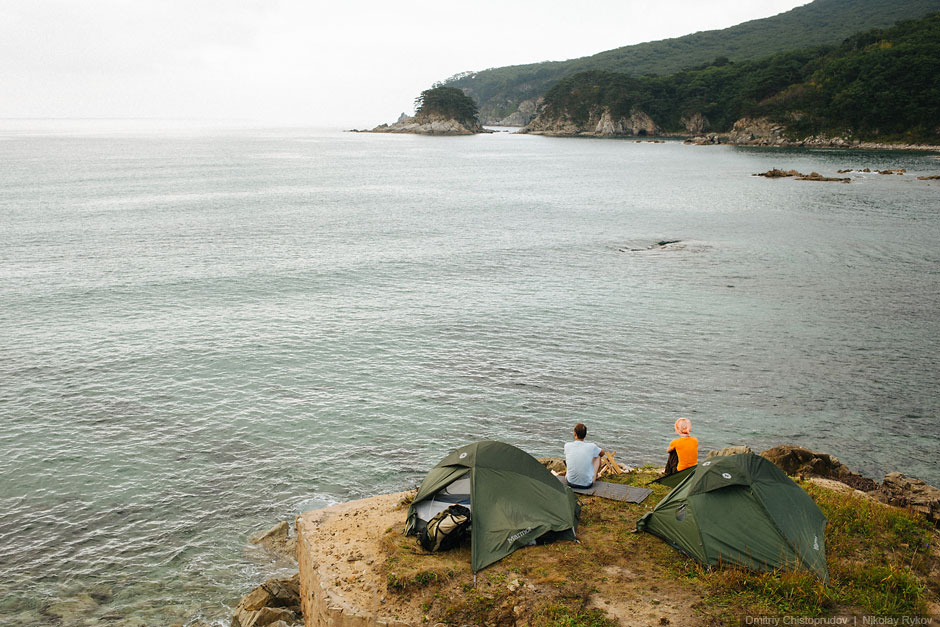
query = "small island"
{"x": 439, "y": 111}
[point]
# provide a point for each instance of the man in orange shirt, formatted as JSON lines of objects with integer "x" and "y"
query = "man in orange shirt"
{"x": 685, "y": 446}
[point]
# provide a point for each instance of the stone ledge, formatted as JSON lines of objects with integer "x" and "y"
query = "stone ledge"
{"x": 337, "y": 548}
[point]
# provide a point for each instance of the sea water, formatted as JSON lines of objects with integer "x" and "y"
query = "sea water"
{"x": 203, "y": 332}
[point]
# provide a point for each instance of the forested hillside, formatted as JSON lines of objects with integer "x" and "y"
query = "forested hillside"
{"x": 499, "y": 91}
{"x": 881, "y": 84}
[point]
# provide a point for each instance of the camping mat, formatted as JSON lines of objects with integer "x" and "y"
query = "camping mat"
{"x": 613, "y": 491}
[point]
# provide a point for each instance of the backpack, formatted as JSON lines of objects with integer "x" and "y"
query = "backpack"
{"x": 446, "y": 530}
{"x": 672, "y": 464}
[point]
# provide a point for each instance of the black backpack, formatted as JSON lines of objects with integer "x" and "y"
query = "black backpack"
{"x": 446, "y": 530}
{"x": 672, "y": 464}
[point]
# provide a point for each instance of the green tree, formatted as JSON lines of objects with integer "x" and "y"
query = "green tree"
{"x": 448, "y": 102}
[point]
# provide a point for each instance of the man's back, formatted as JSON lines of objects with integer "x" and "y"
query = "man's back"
{"x": 579, "y": 458}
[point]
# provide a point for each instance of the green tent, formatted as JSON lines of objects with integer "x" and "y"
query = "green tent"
{"x": 742, "y": 509}
{"x": 514, "y": 500}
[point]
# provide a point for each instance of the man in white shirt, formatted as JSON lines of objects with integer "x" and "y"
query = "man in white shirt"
{"x": 583, "y": 459}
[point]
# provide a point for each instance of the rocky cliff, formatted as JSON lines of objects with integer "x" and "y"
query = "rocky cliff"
{"x": 760, "y": 131}
{"x": 695, "y": 124}
{"x": 599, "y": 123}
{"x": 526, "y": 112}
{"x": 765, "y": 132}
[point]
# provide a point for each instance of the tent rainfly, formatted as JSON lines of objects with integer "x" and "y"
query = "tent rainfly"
{"x": 514, "y": 500}
{"x": 742, "y": 509}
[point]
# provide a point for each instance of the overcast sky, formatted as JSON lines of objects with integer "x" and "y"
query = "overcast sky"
{"x": 303, "y": 61}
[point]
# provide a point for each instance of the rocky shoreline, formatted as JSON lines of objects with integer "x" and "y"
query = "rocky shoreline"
{"x": 601, "y": 123}
{"x": 763, "y": 132}
{"x": 337, "y": 571}
{"x": 745, "y": 131}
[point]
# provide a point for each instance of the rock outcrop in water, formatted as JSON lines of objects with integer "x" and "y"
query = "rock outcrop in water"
{"x": 799, "y": 176}
{"x": 431, "y": 125}
{"x": 276, "y": 600}
{"x": 440, "y": 111}
{"x": 704, "y": 140}
{"x": 277, "y": 539}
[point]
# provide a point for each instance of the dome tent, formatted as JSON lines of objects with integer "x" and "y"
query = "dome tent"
{"x": 514, "y": 500}
{"x": 742, "y": 509}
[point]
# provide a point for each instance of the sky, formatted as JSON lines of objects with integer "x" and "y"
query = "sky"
{"x": 303, "y": 62}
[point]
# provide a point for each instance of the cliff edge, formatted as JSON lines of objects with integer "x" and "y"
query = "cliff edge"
{"x": 358, "y": 569}
{"x": 339, "y": 553}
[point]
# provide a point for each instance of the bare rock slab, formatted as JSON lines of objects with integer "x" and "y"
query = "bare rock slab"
{"x": 341, "y": 584}
{"x": 276, "y": 539}
{"x": 274, "y": 600}
{"x": 799, "y": 461}
{"x": 913, "y": 493}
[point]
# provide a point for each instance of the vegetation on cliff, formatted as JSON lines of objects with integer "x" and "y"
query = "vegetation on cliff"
{"x": 499, "y": 91}
{"x": 883, "y": 84}
{"x": 882, "y": 563}
{"x": 438, "y": 111}
{"x": 446, "y": 102}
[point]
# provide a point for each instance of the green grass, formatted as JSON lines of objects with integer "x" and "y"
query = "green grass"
{"x": 559, "y": 614}
{"x": 879, "y": 563}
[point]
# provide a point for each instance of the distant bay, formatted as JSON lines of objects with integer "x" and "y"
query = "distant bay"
{"x": 205, "y": 331}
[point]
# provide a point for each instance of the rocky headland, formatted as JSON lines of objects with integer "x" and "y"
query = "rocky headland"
{"x": 355, "y": 568}
{"x": 432, "y": 124}
{"x": 439, "y": 111}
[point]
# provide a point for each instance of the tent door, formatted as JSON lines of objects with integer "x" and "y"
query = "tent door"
{"x": 457, "y": 491}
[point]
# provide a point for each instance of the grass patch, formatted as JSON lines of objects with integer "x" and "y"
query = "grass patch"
{"x": 879, "y": 562}
{"x": 559, "y": 614}
{"x": 407, "y": 567}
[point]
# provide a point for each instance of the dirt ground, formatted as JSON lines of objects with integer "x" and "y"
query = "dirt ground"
{"x": 374, "y": 567}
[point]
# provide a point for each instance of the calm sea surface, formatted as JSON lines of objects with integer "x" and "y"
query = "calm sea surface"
{"x": 205, "y": 332}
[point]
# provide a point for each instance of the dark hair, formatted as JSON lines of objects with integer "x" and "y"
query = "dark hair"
{"x": 580, "y": 431}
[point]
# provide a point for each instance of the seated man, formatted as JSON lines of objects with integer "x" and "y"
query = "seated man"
{"x": 582, "y": 459}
